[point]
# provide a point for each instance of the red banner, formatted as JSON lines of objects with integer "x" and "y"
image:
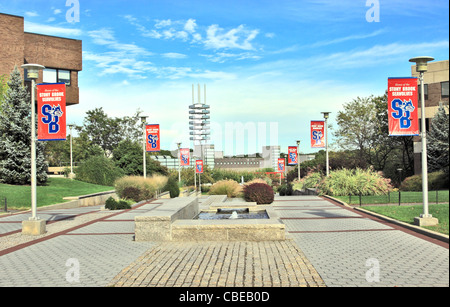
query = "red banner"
{"x": 281, "y": 165}
{"x": 184, "y": 157}
{"x": 292, "y": 155}
{"x": 317, "y": 134}
{"x": 153, "y": 138}
{"x": 403, "y": 106}
{"x": 199, "y": 166}
{"x": 51, "y": 112}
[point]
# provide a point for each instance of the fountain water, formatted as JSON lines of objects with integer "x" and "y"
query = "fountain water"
{"x": 233, "y": 216}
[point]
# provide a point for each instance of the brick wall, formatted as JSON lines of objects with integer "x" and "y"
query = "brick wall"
{"x": 11, "y": 46}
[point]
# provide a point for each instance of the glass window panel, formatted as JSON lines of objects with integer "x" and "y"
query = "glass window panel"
{"x": 49, "y": 75}
{"x": 64, "y": 76}
{"x": 444, "y": 89}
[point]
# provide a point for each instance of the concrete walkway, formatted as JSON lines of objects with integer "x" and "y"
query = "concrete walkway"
{"x": 329, "y": 245}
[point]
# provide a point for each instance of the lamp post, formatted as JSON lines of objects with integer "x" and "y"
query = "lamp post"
{"x": 71, "y": 175}
{"x": 144, "y": 147}
{"x": 326, "y": 115}
{"x": 179, "y": 162}
{"x": 35, "y": 226}
{"x": 298, "y": 159}
{"x": 425, "y": 219}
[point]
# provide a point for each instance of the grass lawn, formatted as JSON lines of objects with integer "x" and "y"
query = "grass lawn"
{"x": 19, "y": 197}
{"x": 408, "y": 213}
{"x": 393, "y": 197}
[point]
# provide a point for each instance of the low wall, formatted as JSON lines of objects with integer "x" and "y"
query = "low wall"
{"x": 232, "y": 230}
{"x": 156, "y": 225}
{"x": 95, "y": 199}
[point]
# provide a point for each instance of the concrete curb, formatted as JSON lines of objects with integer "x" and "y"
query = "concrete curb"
{"x": 423, "y": 231}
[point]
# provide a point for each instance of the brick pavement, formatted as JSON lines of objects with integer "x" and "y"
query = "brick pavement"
{"x": 328, "y": 245}
{"x": 220, "y": 264}
{"x": 346, "y": 247}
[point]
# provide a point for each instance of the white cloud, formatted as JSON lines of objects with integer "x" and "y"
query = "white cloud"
{"x": 190, "y": 25}
{"x": 174, "y": 55}
{"x": 50, "y": 30}
{"x": 237, "y": 38}
{"x": 57, "y": 11}
{"x": 31, "y": 14}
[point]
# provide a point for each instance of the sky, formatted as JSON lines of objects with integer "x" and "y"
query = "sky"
{"x": 269, "y": 67}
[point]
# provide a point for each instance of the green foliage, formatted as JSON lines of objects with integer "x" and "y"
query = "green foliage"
{"x": 139, "y": 188}
{"x": 172, "y": 187}
{"x": 436, "y": 181}
{"x": 98, "y": 170}
{"x": 354, "y": 182}
{"x": 260, "y": 193}
{"x": 112, "y": 204}
{"x": 226, "y": 187}
{"x": 15, "y": 140}
{"x": 311, "y": 181}
{"x": 438, "y": 142}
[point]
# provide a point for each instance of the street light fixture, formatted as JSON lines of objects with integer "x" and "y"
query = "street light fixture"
{"x": 298, "y": 159}
{"x": 144, "y": 148}
{"x": 326, "y": 115}
{"x": 34, "y": 226}
{"x": 425, "y": 219}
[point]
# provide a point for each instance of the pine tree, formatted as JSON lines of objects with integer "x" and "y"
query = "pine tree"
{"x": 438, "y": 143}
{"x": 15, "y": 141}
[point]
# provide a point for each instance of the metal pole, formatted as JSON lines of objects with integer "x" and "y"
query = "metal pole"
{"x": 298, "y": 160}
{"x": 33, "y": 153}
{"x": 326, "y": 146}
{"x": 144, "y": 165}
{"x": 424, "y": 152}
{"x": 71, "y": 158}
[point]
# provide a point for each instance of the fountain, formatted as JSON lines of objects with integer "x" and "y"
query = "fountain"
{"x": 233, "y": 216}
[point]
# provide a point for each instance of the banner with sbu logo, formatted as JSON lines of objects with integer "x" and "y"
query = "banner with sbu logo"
{"x": 403, "y": 106}
{"x": 152, "y": 138}
{"x": 318, "y": 134}
{"x": 199, "y": 166}
{"x": 184, "y": 157}
{"x": 292, "y": 155}
{"x": 51, "y": 112}
{"x": 281, "y": 165}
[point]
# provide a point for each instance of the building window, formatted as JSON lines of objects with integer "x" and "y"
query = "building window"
{"x": 64, "y": 77}
{"x": 51, "y": 75}
{"x": 444, "y": 89}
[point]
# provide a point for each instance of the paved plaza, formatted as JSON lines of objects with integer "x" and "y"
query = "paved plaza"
{"x": 327, "y": 245}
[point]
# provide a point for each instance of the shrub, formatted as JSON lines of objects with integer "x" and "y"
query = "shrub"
{"x": 139, "y": 188}
{"x": 112, "y": 204}
{"x": 354, "y": 182}
{"x": 99, "y": 170}
{"x": 436, "y": 181}
{"x": 260, "y": 193}
{"x": 226, "y": 187}
{"x": 282, "y": 190}
{"x": 172, "y": 187}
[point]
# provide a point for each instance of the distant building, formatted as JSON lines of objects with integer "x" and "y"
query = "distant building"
{"x": 62, "y": 57}
{"x": 240, "y": 164}
{"x": 436, "y": 84}
{"x": 270, "y": 154}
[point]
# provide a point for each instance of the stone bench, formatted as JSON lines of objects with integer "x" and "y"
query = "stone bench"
{"x": 156, "y": 225}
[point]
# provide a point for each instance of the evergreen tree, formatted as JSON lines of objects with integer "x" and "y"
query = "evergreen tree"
{"x": 15, "y": 141}
{"x": 438, "y": 144}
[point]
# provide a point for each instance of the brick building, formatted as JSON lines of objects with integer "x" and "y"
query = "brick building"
{"x": 436, "y": 84}
{"x": 62, "y": 57}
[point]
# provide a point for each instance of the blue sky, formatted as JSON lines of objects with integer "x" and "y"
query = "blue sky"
{"x": 270, "y": 67}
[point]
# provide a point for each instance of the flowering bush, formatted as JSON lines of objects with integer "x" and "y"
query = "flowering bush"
{"x": 261, "y": 193}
